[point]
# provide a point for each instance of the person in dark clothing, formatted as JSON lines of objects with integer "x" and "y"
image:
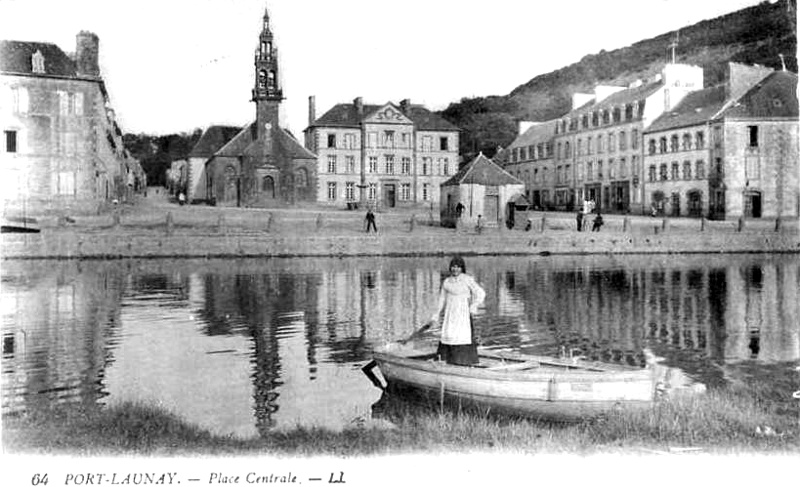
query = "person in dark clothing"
{"x": 598, "y": 222}
{"x": 371, "y": 221}
{"x": 579, "y": 218}
{"x": 459, "y": 209}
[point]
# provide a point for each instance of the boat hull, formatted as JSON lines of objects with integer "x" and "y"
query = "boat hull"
{"x": 555, "y": 390}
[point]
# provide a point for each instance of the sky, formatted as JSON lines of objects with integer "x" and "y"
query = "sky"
{"x": 175, "y": 65}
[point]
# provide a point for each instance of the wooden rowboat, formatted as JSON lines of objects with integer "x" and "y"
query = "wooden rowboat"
{"x": 506, "y": 382}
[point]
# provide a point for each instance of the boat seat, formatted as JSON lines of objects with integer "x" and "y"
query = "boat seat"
{"x": 530, "y": 364}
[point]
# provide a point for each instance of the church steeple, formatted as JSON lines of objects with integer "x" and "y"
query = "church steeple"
{"x": 267, "y": 83}
{"x": 267, "y": 92}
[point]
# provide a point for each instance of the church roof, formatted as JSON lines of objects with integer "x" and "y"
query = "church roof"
{"x": 15, "y": 57}
{"x": 213, "y": 139}
{"x": 245, "y": 143}
{"x": 483, "y": 171}
{"x": 346, "y": 115}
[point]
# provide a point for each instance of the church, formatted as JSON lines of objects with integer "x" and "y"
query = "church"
{"x": 263, "y": 165}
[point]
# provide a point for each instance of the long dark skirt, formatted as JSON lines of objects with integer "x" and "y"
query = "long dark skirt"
{"x": 460, "y": 354}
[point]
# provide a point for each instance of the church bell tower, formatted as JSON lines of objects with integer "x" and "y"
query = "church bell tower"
{"x": 267, "y": 93}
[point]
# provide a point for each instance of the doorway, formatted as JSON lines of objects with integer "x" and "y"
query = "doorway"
{"x": 389, "y": 195}
{"x": 752, "y": 204}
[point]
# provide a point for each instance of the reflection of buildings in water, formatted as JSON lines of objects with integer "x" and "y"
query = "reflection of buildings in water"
{"x": 58, "y": 323}
{"x": 762, "y": 313}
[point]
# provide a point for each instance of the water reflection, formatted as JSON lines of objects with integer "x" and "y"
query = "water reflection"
{"x": 243, "y": 347}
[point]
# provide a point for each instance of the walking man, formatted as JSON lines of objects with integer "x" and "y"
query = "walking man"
{"x": 371, "y": 220}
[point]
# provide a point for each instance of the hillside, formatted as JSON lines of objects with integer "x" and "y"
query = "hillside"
{"x": 755, "y": 35}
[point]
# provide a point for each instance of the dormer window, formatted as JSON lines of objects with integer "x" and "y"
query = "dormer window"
{"x": 37, "y": 62}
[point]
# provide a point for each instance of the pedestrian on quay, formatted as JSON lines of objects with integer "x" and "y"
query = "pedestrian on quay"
{"x": 579, "y": 218}
{"x": 370, "y": 219}
{"x": 479, "y": 225}
{"x": 459, "y": 297}
{"x": 598, "y": 222}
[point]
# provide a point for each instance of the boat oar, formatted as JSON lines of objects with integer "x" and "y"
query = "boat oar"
{"x": 419, "y": 331}
{"x": 367, "y": 369}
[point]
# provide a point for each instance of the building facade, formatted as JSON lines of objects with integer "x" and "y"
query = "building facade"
{"x": 728, "y": 151}
{"x": 387, "y": 156}
{"x": 62, "y": 148}
{"x": 263, "y": 165}
{"x": 530, "y": 159}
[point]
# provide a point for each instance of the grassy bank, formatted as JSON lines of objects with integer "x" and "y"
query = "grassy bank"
{"x": 731, "y": 421}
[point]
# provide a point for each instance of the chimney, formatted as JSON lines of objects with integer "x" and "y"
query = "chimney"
{"x": 580, "y": 99}
{"x": 742, "y": 77}
{"x": 358, "y": 103}
{"x": 404, "y": 104}
{"x": 87, "y": 54}
{"x": 312, "y": 110}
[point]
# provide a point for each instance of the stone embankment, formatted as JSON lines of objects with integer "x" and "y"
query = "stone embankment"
{"x": 157, "y": 228}
{"x": 131, "y": 244}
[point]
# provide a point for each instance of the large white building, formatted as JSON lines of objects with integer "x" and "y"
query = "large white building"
{"x": 390, "y": 155}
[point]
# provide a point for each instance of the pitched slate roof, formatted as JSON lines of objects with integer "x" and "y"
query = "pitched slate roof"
{"x": 213, "y": 139}
{"x": 484, "y": 171}
{"x": 696, "y": 107}
{"x": 539, "y": 133}
{"x": 245, "y": 143}
{"x": 15, "y": 57}
{"x": 774, "y": 96}
{"x": 623, "y": 97}
{"x": 345, "y": 115}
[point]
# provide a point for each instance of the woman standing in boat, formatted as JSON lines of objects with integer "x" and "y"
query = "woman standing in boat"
{"x": 459, "y": 298}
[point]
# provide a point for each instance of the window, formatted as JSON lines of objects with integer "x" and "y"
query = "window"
{"x": 612, "y": 144}
{"x": 589, "y": 170}
{"x": 687, "y": 142}
{"x": 580, "y": 171}
{"x": 585, "y": 121}
{"x": 531, "y": 152}
{"x": 567, "y": 150}
{"x": 331, "y": 191}
{"x": 700, "y": 169}
{"x": 332, "y": 164}
{"x": 443, "y": 143}
{"x": 63, "y": 103}
{"x": 535, "y": 175}
{"x": 77, "y": 103}
{"x": 599, "y": 169}
{"x": 717, "y": 137}
{"x": 558, "y": 151}
{"x": 623, "y": 141}
{"x": 699, "y": 140}
{"x": 589, "y": 148}
{"x": 651, "y": 146}
{"x": 634, "y": 139}
{"x": 350, "y": 191}
{"x": 37, "y": 62}
{"x": 606, "y": 117}
{"x": 389, "y": 160}
{"x": 623, "y": 168}
{"x": 388, "y": 139}
{"x": 617, "y": 115}
{"x": 599, "y": 144}
{"x": 425, "y": 192}
{"x": 687, "y": 170}
{"x": 20, "y": 99}
{"x": 753, "y": 131}
{"x": 752, "y": 167}
{"x": 426, "y": 164}
{"x": 628, "y": 112}
{"x": 405, "y": 165}
{"x": 445, "y": 166}
{"x": 635, "y": 165}
{"x": 405, "y": 191}
{"x": 372, "y": 139}
{"x": 673, "y": 143}
{"x": 11, "y": 140}
{"x": 662, "y": 172}
{"x": 372, "y": 191}
{"x": 579, "y": 148}
{"x": 66, "y": 183}
{"x": 373, "y": 164}
{"x": 350, "y": 141}
{"x": 595, "y": 119}
{"x": 651, "y": 173}
{"x": 675, "y": 171}
{"x": 427, "y": 143}
{"x": 611, "y": 168}
{"x": 351, "y": 164}
{"x": 662, "y": 145}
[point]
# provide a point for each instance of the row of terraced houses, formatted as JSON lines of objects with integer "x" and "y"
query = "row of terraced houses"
{"x": 670, "y": 146}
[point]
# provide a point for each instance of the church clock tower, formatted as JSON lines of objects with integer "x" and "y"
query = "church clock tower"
{"x": 267, "y": 93}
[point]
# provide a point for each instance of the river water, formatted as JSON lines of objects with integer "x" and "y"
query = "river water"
{"x": 246, "y": 346}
